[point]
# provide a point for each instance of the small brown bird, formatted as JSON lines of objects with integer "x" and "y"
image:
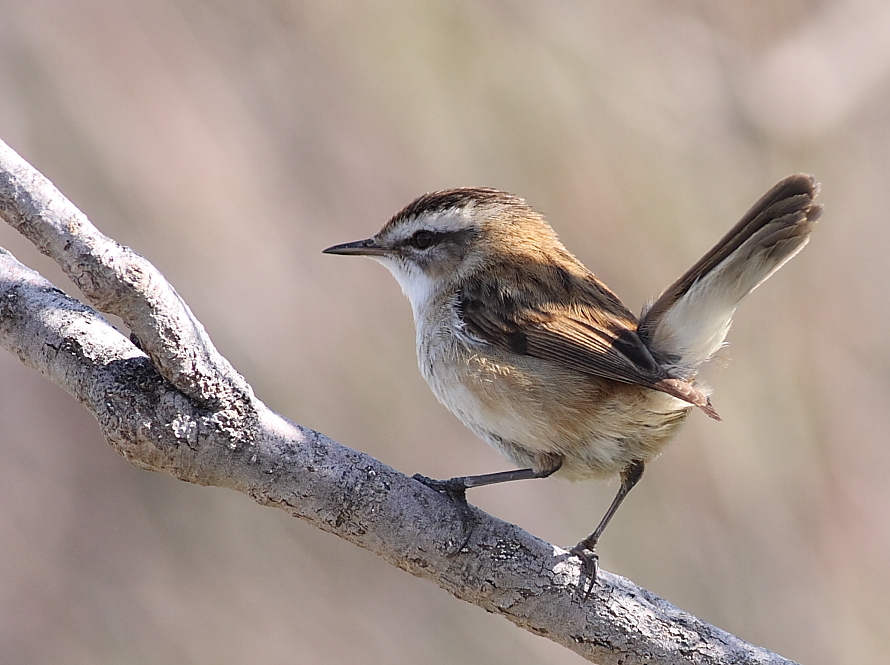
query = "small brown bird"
{"x": 539, "y": 358}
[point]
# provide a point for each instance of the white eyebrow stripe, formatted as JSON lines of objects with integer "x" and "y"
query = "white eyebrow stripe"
{"x": 447, "y": 221}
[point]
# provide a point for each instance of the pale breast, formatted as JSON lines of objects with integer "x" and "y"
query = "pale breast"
{"x": 523, "y": 406}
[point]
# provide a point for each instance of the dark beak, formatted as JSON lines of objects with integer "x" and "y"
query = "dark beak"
{"x": 367, "y": 247}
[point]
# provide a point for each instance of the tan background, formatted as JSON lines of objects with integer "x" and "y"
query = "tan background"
{"x": 230, "y": 141}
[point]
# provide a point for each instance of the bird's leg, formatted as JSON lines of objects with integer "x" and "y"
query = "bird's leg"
{"x": 456, "y": 489}
{"x": 586, "y": 549}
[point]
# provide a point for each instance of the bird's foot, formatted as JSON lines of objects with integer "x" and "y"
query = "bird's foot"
{"x": 456, "y": 490}
{"x": 590, "y": 566}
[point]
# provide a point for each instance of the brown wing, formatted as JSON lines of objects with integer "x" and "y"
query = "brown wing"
{"x": 581, "y": 337}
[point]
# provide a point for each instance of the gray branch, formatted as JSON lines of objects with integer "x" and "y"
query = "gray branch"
{"x": 168, "y": 401}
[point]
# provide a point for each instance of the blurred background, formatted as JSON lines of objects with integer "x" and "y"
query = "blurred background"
{"x": 230, "y": 141}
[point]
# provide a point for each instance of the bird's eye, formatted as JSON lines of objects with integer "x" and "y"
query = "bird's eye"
{"x": 423, "y": 239}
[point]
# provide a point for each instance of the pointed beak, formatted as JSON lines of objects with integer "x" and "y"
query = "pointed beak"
{"x": 367, "y": 247}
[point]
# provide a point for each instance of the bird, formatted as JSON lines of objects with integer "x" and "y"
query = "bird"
{"x": 540, "y": 359}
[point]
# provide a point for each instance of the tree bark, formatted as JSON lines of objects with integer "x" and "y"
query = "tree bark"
{"x": 168, "y": 401}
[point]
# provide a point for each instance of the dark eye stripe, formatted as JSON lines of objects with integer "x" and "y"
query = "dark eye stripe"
{"x": 426, "y": 238}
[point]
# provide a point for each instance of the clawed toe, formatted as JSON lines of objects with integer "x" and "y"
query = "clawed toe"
{"x": 452, "y": 487}
{"x": 589, "y": 569}
{"x": 455, "y": 490}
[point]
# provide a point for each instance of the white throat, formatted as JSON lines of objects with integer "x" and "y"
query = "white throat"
{"x": 416, "y": 285}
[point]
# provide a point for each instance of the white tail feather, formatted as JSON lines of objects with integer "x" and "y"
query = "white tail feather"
{"x": 694, "y": 328}
{"x": 689, "y": 322}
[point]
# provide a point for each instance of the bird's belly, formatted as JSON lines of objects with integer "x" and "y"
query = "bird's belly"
{"x": 597, "y": 426}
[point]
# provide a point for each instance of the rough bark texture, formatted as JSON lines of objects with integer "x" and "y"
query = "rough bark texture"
{"x": 169, "y": 402}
